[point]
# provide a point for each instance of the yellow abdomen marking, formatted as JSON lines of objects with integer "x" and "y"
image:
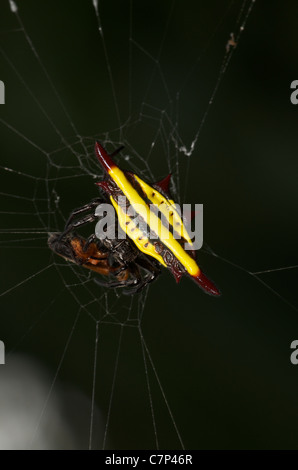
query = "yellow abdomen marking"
{"x": 166, "y": 207}
{"x": 139, "y": 238}
{"x": 155, "y": 224}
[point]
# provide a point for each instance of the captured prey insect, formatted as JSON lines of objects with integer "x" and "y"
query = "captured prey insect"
{"x": 126, "y": 259}
{"x": 87, "y": 254}
{"x": 115, "y": 258}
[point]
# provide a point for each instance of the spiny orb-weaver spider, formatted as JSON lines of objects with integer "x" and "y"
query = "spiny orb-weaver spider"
{"x": 126, "y": 259}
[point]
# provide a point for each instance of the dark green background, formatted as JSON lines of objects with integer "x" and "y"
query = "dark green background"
{"x": 224, "y": 364}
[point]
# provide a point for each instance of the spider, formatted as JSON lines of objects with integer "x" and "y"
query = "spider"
{"x": 127, "y": 258}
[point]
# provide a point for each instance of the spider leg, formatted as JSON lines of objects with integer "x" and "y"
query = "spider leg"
{"x": 133, "y": 271}
{"x": 137, "y": 283}
{"x": 87, "y": 207}
{"x": 149, "y": 266}
{"x": 119, "y": 270}
{"x": 89, "y": 241}
{"x": 78, "y": 223}
{"x": 114, "y": 284}
{"x": 119, "y": 266}
{"x": 152, "y": 269}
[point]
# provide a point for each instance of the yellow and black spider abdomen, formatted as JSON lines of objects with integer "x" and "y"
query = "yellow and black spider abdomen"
{"x": 155, "y": 223}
